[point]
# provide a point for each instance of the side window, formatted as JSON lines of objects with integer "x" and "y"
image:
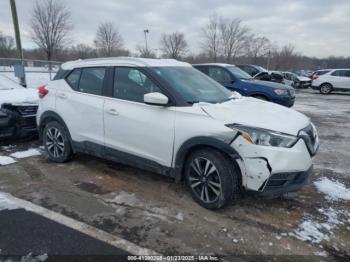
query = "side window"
{"x": 73, "y": 78}
{"x": 341, "y": 73}
{"x": 219, "y": 74}
{"x": 348, "y": 73}
{"x": 203, "y": 69}
{"x": 91, "y": 80}
{"x": 131, "y": 84}
{"x": 250, "y": 70}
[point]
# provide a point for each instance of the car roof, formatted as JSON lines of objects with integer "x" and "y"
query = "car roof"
{"x": 123, "y": 61}
{"x": 214, "y": 64}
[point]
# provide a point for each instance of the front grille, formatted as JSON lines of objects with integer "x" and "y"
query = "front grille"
{"x": 310, "y": 136}
{"x": 26, "y": 110}
{"x": 24, "y": 117}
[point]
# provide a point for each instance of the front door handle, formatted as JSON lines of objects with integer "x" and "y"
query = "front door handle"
{"x": 62, "y": 95}
{"x": 112, "y": 111}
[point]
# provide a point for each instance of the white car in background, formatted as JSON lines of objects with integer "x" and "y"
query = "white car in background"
{"x": 18, "y": 107}
{"x": 329, "y": 80}
{"x": 167, "y": 117}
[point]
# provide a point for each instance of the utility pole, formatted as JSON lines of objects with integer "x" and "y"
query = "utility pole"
{"x": 18, "y": 40}
{"x": 146, "y": 31}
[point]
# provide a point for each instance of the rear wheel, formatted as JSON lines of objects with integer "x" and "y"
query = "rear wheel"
{"x": 211, "y": 177}
{"x": 57, "y": 143}
{"x": 326, "y": 89}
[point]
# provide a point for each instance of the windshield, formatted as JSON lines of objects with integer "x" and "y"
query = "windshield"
{"x": 239, "y": 73}
{"x": 193, "y": 85}
{"x": 261, "y": 69}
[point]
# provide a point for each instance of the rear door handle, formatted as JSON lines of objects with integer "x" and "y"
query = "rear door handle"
{"x": 62, "y": 95}
{"x": 112, "y": 111}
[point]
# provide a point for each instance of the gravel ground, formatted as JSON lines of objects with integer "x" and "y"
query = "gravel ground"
{"x": 156, "y": 213}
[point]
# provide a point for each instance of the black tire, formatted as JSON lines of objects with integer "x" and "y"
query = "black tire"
{"x": 326, "y": 89}
{"x": 261, "y": 97}
{"x": 217, "y": 187}
{"x": 57, "y": 143}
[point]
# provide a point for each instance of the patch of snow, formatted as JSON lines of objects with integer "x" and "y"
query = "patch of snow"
{"x": 309, "y": 230}
{"x": 180, "y": 216}
{"x": 316, "y": 231}
{"x": 26, "y": 153}
{"x": 6, "y": 203}
{"x": 278, "y": 237}
{"x": 6, "y": 160}
{"x": 125, "y": 198}
{"x": 321, "y": 254}
{"x": 334, "y": 190}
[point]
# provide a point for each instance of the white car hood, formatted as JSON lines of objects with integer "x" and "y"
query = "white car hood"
{"x": 257, "y": 113}
{"x": 19, "y": 96}
{"x": 13, "y": 93}
{"x": 303, "y": 78}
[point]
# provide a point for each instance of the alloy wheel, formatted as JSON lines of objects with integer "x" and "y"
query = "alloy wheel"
{"x": 204, "y": 180}
{"x": 54, "y": 142}
{"x": 325, "y": 89}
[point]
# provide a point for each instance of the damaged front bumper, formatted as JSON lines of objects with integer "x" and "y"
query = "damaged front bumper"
{"x": 17, "y": 121}
{"x": 273, "y": 171}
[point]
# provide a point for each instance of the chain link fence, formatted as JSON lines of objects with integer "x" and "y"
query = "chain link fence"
{"x": 37, "y": 72}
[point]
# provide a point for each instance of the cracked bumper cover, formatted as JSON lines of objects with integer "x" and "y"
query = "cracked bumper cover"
{"x": 273, "y": 170}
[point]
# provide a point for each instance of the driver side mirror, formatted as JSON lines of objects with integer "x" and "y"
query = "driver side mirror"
{"x": 156, "y": 99}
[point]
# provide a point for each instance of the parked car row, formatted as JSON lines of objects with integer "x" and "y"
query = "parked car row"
{"x": 170, "y": 118}
{"x": 235, "y": 79}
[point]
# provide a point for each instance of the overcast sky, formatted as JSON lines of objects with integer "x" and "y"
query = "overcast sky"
{"x": 316, "y": 27}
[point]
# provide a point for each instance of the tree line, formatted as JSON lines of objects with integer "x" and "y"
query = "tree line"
{"x": 223, "y": 39}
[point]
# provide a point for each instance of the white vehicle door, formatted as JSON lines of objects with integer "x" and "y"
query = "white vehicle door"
{"x": 339, "y": 79}
{"x": 134, "y": 128}
{"x": 348, "y": 76}
{"x": 80, "y": 104}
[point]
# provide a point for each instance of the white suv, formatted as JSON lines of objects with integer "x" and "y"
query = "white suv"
{"x": 331, "y": 80}
{"x": 167, "y": 117}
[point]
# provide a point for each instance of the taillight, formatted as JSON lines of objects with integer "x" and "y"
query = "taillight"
{"x": 314, "y": 77}
{"x": 42, "y": 91}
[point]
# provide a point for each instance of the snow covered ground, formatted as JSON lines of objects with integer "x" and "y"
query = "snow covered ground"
{"x": 34, "y": 79}
{"x": 333, "y": 189}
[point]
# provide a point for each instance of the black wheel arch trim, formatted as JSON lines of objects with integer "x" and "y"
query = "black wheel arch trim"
{"x": 201, "y": 141}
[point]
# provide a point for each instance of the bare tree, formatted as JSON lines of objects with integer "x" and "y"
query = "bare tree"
{"x": 234, "y": 36}
{"x": 145, "y": 52}
{"x": 211, "y": 39}
{"x": 81, "y": 51}
{"x": 286, "y": 58}
{"x": 50, "y": 25}
{"x": 258, "y": 47}
{"x": 7, "y": 45}
{"x": 173, "y": 45}
{"x": 108, "y": 40}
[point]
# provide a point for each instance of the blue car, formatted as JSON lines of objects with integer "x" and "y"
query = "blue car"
{"x": 235, "y": 79}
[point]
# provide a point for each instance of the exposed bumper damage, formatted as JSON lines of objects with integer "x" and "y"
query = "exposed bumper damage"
{"x": 17, "y": 121}
{"x": 273, "y": 170}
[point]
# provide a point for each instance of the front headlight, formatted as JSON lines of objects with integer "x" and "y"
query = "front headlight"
{"x": 264, "y": 137}
{"x": 280, "y": 92}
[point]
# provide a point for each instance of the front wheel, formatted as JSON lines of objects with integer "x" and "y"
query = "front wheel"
{"x": 56, "y": 142}
{"x": 211, "y": 177}
{"x": 326, "y": 89}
